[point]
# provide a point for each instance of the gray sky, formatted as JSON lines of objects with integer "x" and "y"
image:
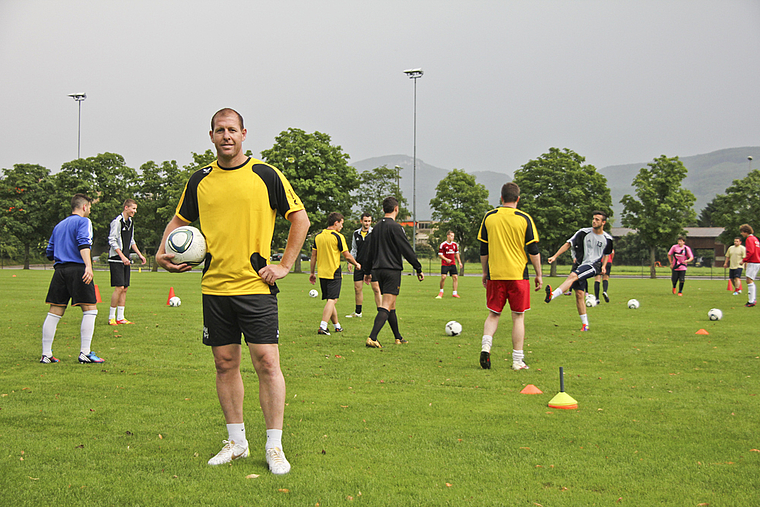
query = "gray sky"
{"x": 618, "y": 81}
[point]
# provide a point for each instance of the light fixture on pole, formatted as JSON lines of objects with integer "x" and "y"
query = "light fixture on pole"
{"x": 414, "y": 74}
{"x": 398, "y": 189}
{"x": 750, "y": 162}
{"x": 79, "y": 97}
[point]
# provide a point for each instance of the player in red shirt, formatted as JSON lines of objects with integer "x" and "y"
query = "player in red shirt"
{"x": 450, "y": 259}
{"x": 751, "y": 262}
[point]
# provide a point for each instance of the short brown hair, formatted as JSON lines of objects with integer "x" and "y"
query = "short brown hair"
{"x": 389, "y": 204}
{"x": 129, "y": 202}
{"x": 227, "y": 110}
{"x": 79, "y": 200}
{"x": 510, "y": 192}
{"x": 333, "y": 217}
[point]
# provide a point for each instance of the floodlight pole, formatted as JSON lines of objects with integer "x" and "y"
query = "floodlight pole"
{"x": 414, "y": 74}
{"x": 79, "y": 97}
{"x": 398, "y": 188}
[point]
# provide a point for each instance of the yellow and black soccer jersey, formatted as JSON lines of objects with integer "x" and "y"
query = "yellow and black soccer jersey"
{"x": 329, "y": 245}
{"x": 504, "y": 234}
{"x": 237, "y": 208}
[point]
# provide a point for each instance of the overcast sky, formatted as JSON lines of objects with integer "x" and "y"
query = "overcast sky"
{"x": 618, "y": 81}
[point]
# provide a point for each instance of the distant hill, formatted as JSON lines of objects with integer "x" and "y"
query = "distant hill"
{"x": 428, "y": 177}
{"x": 709, "y": 174}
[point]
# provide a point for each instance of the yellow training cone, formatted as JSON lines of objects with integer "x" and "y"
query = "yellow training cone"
{"x": 563, "y": 400}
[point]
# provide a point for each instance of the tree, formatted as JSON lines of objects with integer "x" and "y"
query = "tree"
{"x": 459, "y": 205}
{"x": 376, "y": 185}
{"x": 739, "y": 205}
{"x": 663, "y": 207}
{"x": 561, "y": 193}
{"x": 320, "y": 176}
{"x": 24, "y": 207}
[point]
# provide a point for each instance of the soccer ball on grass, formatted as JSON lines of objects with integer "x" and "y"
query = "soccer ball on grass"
{"x": 187, "y": 244}
{"x": 453, "y": 328}
{"x": 313, "y": 293}
{"x": 633, "y": 304}
{"x": 715, "y": 314}
{"x": 175, "y": 301}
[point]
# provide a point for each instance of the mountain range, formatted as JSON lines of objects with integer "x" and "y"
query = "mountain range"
{"x": 709, "y": 174}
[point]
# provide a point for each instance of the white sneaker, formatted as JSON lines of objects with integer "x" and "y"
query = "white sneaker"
{"x": 231, "y": 451}
{"x": 357, "y": 315}
{"x": 278, "y": 465}
{"x": 519, "y": 365}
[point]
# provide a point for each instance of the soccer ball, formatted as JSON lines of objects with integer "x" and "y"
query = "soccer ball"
{"x": 590, "y": 300}
{"x": 313, "y": 293}
{"x": 633, "y": 304}
{"x": 187, "y": 244}
{"x": 453, "y": 328}
{"x": 175, "y": 301}
{"x": 715, "y": 314}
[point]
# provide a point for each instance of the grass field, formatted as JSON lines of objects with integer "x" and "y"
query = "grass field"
{"x": 665, "y": 417}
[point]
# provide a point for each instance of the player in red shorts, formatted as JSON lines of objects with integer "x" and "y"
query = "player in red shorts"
{"x": 450, "y": 260}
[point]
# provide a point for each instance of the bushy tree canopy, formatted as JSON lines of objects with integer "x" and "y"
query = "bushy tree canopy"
{"x": 376, "y": 185}
{"x": 739, "y": 205}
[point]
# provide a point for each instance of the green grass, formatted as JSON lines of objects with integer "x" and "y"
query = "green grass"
{"x": 665, "y": 417}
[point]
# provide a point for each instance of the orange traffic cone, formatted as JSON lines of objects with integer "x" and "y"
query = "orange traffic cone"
{"x": 97, "y": 295}
{"x": 702, "y": 331}
{"x": 171, "y": 295}
{"x": 531, "y": 389}
{"x": 730, "y": 287}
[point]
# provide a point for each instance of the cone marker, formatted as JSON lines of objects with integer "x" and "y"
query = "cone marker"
{"x": 562, "y": 399}
{"x": 171, "y": 295}
{"x": 97, "y": 294}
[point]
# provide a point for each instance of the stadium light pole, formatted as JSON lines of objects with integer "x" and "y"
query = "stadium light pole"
{"x": 398, "y": 188}
{"x": 79, "y": 97}
{"x": 414, "y": 74}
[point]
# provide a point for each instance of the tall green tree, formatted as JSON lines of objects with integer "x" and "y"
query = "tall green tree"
{"x": 25, "y": 213}
{"x": 560, "y": 192}
{"x": 662, "y": 207}
{"x": 376, "y": 185}
{"x": 319, "y": 173}
{"x": 739, "y": 205}
{"x": 459, "y": 205}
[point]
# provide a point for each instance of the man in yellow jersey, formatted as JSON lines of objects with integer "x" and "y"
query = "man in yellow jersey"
{"x": 235, "y": 199}
{"x": 329, "y": 245}
{"x": 504, "y": 235}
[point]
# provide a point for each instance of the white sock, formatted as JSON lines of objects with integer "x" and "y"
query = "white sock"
{"x": 556, "y": 293}
{"x": 237, "y": 434}
{"x": 337, "y": 325}
{"x": 751, "y": 292}
{"x": 48, "y": 333}
{"x": 274, "y": 439}
{"x": 517, "y": 356}
{"x": 119, "y": 313}
{"x": 111, "y": 312}
{"x": 323, "y": 325}
{"x": 584, "y": 319}
{"x": 87, "y": 329}
{"x": 440, "y": 291}
{"x": 455, "y": 293}
{"x": 487, "y": 342}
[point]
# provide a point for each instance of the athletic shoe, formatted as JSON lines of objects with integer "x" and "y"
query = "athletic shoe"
{"x": 90, "y": 358}
{"x": 373, "y": 344}
{"x": 455, "y": 295}
{"x": 585, "y": 328}
{"x": 598, "y": 302}
{"x": 485, "y": 360}
{"x": 400, "y": 341}
{"x": 357, "y": 315}
{"x": 749, "y": 305}
{"x": 124, "y": 321}
{"x": 739, "y": 291}
{"x": 674, "y": 290}
{"x": 323, "y": 331}
{"x": 736, "y": 293}
{"x": 48, "y": 359}
{"x": 439, "y": 296}
{"x": 337, "y": 330}
{"x": 606, "y": 297}
{"x": 112, "y": 322}
{"x": 519, "y": 365}
{"x": 278, "y": 465}
{"x": 680, "y": 293}
{"x": 231, "y": 451}
{"x": 548, "y": 297}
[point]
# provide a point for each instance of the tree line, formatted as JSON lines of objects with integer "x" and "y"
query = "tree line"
{"x": 559, "y": 190}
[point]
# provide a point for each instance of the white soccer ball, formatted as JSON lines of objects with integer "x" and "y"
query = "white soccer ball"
{"x": 715, "y": 314}
{"x": 453, "y": 328}
{"x": 633, "y": 304}
{"x": 175, "y": 301}
{"x": 187, "y": 244}
{"x": 313, "y": 293}
{"x": 590, "y": 300}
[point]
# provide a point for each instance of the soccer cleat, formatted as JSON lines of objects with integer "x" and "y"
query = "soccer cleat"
{"x": 585, "y": 328}
{"x": 337, "y": 330}
{"x": 520, "y": 365}
{"x": 599, "y": 302}
{"x": 323, "y": 331}
{"x": 606, "y": 297}
{"x": 736, "y": 293}
{"x": 548, "y": 297}
{"x": 439, "y": 296}
{"x": 112, "y": 322}
{"x": 373, "y": 344}
{"x": 357, "y": 315}
{"x": 230, "y": 452}
{"x": 674, "y": 290}
{"x": 124, "y": 321}
{"x": 749, "y": 305}
{"x": 278, "y": 465}
{"x": 485, "y": 360}
{"x": 680, "y": 293}
{"x": 48, "y": 359}
{"x": 455, "y": 295}
{"x": 400, "y": 341}
{"x": 89, "y": 358}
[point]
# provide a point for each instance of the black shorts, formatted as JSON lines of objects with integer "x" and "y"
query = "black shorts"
{"x": 67, "y": 284}
{"x": 451, "y": 269}
{"x": 254, "y": 316}
{"x": 119, "y": 274}
{"x": 330, "y": 287}
{"x": 388, "y": 279}
{"x": 358, "y": 276}
{"x": 735, "y": 273}
{"x": 608, "y": 267}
